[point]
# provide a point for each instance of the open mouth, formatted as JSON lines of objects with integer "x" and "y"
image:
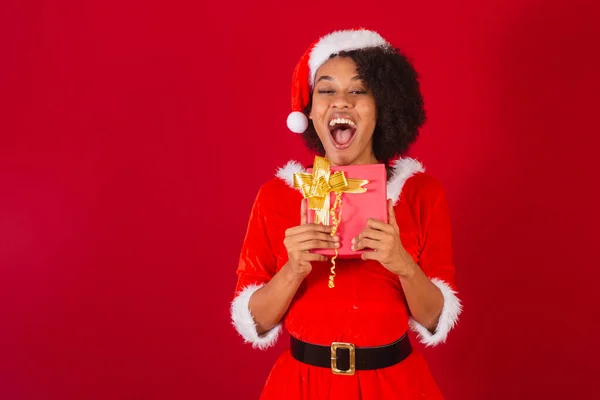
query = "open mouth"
{"x": 342, "y": 132}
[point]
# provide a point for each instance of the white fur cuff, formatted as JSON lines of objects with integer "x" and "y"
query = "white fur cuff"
{"x": 448, "y": 318}
{"x": 244, "y": 322}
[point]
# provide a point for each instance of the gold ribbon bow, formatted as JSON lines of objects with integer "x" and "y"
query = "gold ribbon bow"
{"x": 317, "y": 187}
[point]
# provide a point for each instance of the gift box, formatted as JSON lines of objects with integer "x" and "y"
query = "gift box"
{"x": 344, "y": 197}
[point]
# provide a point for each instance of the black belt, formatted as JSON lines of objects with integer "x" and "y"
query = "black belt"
{"x": 345, "y": 358}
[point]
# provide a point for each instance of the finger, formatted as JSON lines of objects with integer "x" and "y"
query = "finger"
{"x": 371, "y": 234}
{"x": 308, "y": 228}
{"x": 303, "y": 213}
{"x": 371, "y": 255}
{"x": 365, "y": 243}
{"x": 313, "y": 257}
{"x": 392, "y": 216}
{"x": 380, "y": 226}
{"x": 312, "y": 235}
{"x": 315, "y": 244}
{"x": 292, "y": 242}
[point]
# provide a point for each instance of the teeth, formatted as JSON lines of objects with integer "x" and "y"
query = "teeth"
{"x": 340, "y": 121}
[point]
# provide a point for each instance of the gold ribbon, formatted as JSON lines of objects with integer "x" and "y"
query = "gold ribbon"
{"x": 316, "y": 187}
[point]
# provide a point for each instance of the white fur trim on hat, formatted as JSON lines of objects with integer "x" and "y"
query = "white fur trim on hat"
{"x": 244, "y": 322}
{"x": 448, "y": 318}
{"x": 338, "y": 41}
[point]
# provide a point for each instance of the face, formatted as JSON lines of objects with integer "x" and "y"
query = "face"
{"x": 343, "y": 113}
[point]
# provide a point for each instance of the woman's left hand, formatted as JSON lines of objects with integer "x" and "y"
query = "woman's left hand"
{"x": 384, "y": 240}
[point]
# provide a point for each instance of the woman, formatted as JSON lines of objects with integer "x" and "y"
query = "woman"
{"x": 363, "y": 104}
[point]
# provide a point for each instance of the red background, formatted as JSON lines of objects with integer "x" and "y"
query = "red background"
{"x": 134, "y": 136}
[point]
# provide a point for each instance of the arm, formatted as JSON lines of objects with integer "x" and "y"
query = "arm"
{"x": 263, "y": 295}
{"x": 424, "y": 298}
{"x": 270, "y": 302}
{"x": 429, "y": 285}
{"x": 432, "y": 323}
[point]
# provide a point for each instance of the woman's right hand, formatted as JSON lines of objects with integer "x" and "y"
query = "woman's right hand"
{"x": 300, "y": 239}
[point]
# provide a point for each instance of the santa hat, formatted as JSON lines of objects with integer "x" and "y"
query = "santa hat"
{"x": 304, "y": 74}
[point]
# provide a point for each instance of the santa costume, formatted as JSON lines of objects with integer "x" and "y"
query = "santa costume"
{"x": 367, "y": 308}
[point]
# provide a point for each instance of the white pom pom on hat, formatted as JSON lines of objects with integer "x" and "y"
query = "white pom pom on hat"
{"x": 297, "y": 122}
{"x": 315, "y": 56}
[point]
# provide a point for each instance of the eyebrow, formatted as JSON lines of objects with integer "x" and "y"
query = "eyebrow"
{"x": 324, "y": 78}
{"x": 328, "y": 78}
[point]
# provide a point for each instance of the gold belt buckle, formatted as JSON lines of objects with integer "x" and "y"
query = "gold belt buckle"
{"x": 352, "y": 349}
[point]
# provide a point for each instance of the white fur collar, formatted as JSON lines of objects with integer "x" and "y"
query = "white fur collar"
{"x": 403, "y": 169}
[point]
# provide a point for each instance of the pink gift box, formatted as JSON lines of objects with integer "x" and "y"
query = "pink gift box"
{"x": 357, "y": 208}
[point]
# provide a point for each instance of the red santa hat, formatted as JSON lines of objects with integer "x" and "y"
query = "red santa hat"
{"x": 304, "y": 74}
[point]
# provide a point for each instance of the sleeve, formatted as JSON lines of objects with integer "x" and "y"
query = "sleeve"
{"x": 257, "y": 265}
{"x": 436, "y": 262}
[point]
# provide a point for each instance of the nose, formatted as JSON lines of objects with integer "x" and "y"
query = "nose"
{"x": 342, "y": 100}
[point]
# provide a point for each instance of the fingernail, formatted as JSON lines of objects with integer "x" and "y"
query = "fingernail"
{"x": 353, "y": 240}
{"x": 336, "y": 238}
{"x": 336, "y": 244}
{"x": 353, "y": 248}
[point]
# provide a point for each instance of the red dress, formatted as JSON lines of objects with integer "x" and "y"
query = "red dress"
{"x": 367, "y": 306}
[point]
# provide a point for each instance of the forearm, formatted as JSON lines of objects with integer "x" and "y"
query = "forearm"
{"x": 269, "y": 303}
{"x": 424, "y": 299}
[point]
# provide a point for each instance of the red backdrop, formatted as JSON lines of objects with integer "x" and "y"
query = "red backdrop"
{"x": 122, "y": 124}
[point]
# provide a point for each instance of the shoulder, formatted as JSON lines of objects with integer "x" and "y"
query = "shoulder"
{"x": 425, "y": 195}
{"x": 424, "y": 186}
{"x": 286, "y": 173}
{"x": 411, "y": 182}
